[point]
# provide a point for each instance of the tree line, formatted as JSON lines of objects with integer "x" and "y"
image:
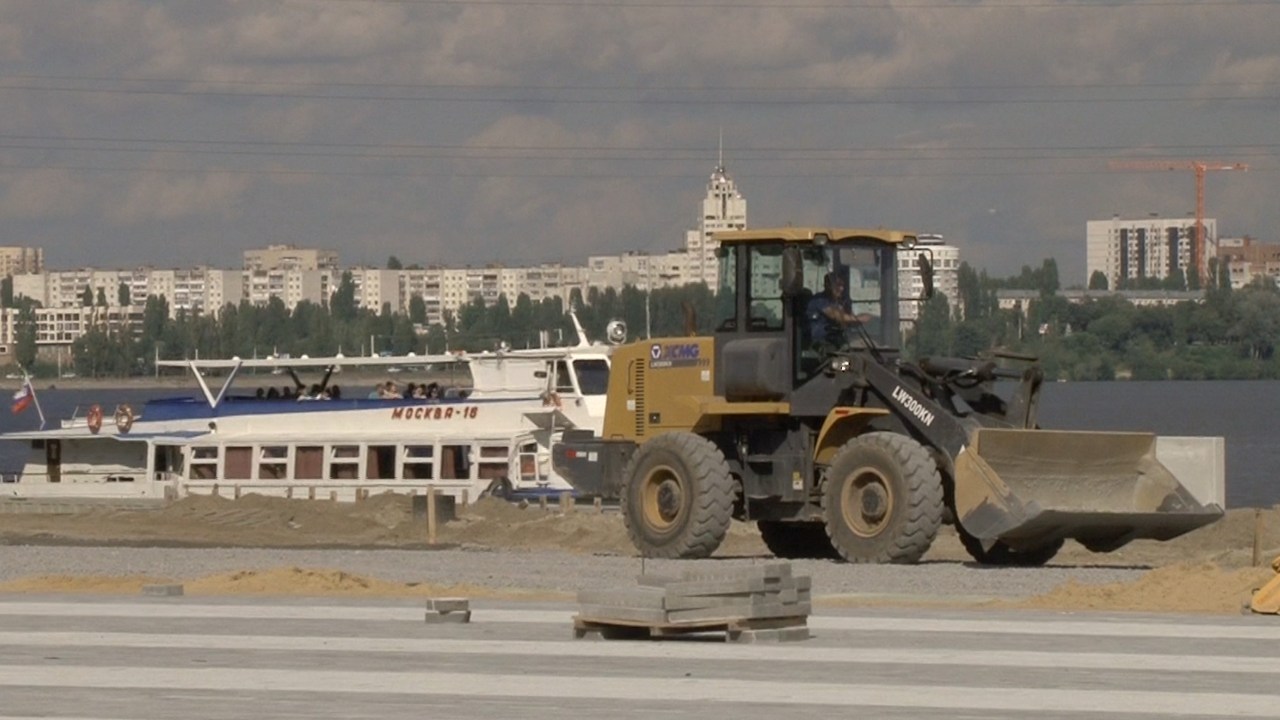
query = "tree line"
{"x": 1231, "y": 334}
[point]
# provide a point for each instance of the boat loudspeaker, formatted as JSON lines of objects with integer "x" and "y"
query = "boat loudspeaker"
{"x": 616, "y": 331}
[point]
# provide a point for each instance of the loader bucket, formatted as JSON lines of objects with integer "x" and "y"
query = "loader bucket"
{"x": 1028, "y": 488}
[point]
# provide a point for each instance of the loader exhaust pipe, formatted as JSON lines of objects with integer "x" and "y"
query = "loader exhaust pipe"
{"x": 1028, "y": 488}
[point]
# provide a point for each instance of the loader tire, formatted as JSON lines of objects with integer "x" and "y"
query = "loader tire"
{"x": 1002, "y": 554}
{"x": 882, "y": 499}
{"x": 797, "y": 540}
{"x": 678, "y": 498}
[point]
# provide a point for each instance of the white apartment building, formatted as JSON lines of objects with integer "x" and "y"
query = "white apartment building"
{"x": 21, "y": 260}
{"x": 723, "y": 208}
{"x": 946, "y": 274}
{"x": 290, "y": 257}
{"x": 1150, "y": 247}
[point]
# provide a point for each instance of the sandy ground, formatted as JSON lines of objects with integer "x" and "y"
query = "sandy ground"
{"x": 1209, "y": 570}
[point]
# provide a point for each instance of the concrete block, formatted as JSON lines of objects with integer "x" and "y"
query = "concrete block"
{"x": 790, "y": 634}
{"x": 162, "y": 590}
{"x": 714, "y": 572}
{"x": 734, "y": 586}
{"x": 639, "y": 597}
{"x": 433, "y": 618}
{"x": 626, "y": 614}
{"x": 740, "y": 612}
{"x": 448, "y": 604}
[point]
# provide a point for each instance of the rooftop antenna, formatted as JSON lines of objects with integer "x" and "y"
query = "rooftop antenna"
{"x": 720, "y": 150}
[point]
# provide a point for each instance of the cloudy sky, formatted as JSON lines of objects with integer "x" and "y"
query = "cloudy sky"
{"x": 181, "y": 132}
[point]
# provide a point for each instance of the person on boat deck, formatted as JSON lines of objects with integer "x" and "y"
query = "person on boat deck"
{"x": 432, "y": 391}
{"x": 289, "y": 393}
{"x": 409, "y": 389}
{"x": 335, "y": 393}
{"x": 420, "y": 392}
{"x": 261, "y": 393}
{"x": 388, "y": 391}
{"x": 273, "y": 394}
{"x": 313, "y": 393}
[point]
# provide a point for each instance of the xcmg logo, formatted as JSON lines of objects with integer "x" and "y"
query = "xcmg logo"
{"x": 665, "y": 355}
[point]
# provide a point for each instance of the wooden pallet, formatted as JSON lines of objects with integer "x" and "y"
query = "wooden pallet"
{"x": 777, "y": 629}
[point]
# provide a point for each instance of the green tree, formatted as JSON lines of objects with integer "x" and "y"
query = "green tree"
{"x": 123, "y": 295}
{"x": 393, "y": 263}
{"x": 417, "y": 309}
{"x": 932, "y": 333}
{"x": 6, "y": 291}
{"x": 86, "y": 297}
{"x": 1098, "y": 280}
{"x": 25, "y": 336}
{"x": 343, "y": 304}
{"x": 102, "y": 297}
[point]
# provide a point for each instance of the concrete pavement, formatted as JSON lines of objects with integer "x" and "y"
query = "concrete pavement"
{"x": 93, "y": 658}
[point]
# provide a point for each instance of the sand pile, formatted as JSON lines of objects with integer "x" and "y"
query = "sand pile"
{"x": 1201, "y": 588}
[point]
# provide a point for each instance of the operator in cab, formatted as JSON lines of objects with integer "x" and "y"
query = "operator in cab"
{"x": 830, "y": 313}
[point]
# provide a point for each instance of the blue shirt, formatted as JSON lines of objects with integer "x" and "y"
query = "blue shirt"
{"x": 821, "y": 327}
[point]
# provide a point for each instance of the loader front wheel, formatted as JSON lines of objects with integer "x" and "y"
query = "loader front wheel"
{"x": 882, "y": 499}
{"x": 679, "y": 497}
{"x": 797, "y": 540}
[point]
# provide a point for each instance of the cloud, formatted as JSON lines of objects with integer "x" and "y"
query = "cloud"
{"x": 164, "y": 196}
{"x": 481, "y": 131}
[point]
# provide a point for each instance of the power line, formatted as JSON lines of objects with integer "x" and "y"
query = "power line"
{"x": 700, "y": 89}
{"x": 704, "y": 101}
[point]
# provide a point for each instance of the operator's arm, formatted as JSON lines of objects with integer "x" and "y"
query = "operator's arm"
{"x": 839, "y": 315}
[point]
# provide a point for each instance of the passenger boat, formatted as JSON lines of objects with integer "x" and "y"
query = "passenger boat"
{"x": 491, "y": 432}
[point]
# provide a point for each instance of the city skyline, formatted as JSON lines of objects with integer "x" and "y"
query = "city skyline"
{"x": 466, "y": 133}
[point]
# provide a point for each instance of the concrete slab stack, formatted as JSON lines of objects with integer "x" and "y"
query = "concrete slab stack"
{"x": 747, "y": 603}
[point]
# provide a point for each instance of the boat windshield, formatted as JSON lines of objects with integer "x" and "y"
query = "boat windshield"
{"x": 593, "y": 376}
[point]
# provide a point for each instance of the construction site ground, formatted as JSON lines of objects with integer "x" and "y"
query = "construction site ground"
{"x": 379, "y": 547}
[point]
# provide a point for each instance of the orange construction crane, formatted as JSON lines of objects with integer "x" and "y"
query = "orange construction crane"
{"x": 1200, "y": 167}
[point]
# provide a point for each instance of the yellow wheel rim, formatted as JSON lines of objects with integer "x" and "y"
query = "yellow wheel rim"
{"x": 866, "y": 503}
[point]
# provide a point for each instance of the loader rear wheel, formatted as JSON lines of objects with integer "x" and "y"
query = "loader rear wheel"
{"x": 882, "y": 499}
{"x": 679, "y": 497}
{"x": 797, "y": 540}
{"x": 1002, "y": 554}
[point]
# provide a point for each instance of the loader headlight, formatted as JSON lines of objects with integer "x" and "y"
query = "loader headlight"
{"x": 842, "y": 364}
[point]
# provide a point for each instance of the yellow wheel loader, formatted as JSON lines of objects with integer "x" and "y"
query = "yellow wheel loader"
{"x": 799, "y": 413}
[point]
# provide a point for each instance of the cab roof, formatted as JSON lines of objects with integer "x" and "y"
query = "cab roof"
{"x": 807, "y": 235}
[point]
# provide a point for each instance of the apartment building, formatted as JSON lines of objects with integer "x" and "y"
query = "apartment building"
{"x": 21, "y": 260}
{"x": 1152, "y": 247}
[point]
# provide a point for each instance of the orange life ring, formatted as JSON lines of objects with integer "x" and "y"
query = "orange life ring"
{"x": 124, "y": 418}
{"x": 94, "y": 418}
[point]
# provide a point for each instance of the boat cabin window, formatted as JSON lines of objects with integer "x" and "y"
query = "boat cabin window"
{"x": 273, "y": 462}
{"x": 593, "y": 376}
{"x": 418, "y": 462}
{"x": 564, "y": 382}
{"x": 204, "y": 462}
{"x": 381, "y": 464}
{"x": 493, "y": 462}
{"x": 239, "y": 463}
{"x": 308, "y": 463}
{"x": 344, "y": 462}
{"x": 454, "y": 462}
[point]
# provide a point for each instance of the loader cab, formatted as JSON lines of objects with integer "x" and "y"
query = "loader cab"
{"x": 771, "y": 333}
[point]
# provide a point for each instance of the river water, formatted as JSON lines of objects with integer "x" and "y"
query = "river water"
{"x": 1240, "y": 411}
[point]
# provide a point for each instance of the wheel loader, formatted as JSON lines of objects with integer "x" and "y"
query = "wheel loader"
{"x": 837, "y": 446}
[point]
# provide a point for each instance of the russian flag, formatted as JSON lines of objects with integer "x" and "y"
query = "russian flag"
{"x": 22, "y": 398}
